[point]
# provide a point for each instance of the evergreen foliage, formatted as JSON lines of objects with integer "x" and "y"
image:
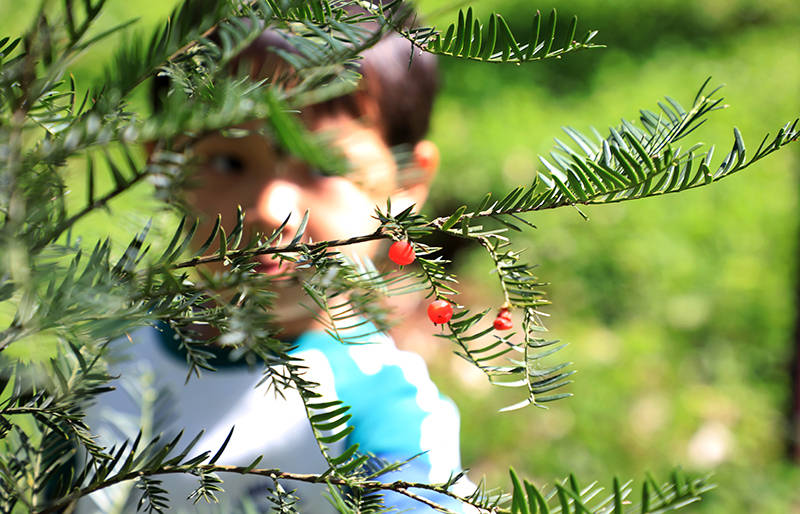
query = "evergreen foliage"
{"x": 86, "y": 296}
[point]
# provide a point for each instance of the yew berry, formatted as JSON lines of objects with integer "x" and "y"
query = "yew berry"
{"x": 402, "y": 253}
{"x": 503, "y": 323}
{"x": 440, "y": 311}
{"x": 503, "y": 320}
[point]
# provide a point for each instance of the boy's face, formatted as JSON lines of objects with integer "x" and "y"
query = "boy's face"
{"x": 249, "y": 171}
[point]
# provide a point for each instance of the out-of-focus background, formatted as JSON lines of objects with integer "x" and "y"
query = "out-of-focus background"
{"x": 680, "y": 310}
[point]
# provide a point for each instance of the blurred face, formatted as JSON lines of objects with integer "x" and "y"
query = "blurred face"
{"x": 271, "y": 186}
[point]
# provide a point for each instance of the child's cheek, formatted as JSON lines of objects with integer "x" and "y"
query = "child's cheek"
{"x": 281, "y": 201}
{"x": 341, "y": 210}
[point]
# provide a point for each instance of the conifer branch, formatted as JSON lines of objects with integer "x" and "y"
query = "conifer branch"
{"x": 680, "y": 492}
{"x": 290, "y": 248}
{"x": 399, "y": 486}
{"x": 631, "y": 163}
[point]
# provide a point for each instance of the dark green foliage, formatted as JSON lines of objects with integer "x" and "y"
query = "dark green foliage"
{"x": 468, "y": 39}
{"x": 568, "y": 497}
{"x": 154, "y": 497}
{"x": 283, "y": 502}
{"x": 630, "y": 163}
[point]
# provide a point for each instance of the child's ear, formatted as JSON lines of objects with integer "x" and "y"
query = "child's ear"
{"x": 420, "y": 173}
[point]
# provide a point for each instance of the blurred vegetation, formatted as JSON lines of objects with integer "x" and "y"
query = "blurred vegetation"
{"x": 679, "y": 310}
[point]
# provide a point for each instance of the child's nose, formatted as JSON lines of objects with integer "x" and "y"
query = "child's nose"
{"x": 280, "y": 199}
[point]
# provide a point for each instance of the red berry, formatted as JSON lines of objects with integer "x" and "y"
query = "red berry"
{"x": 504, "y": 313}
{"x": 402, "y": 253}
{"x": 502, "y": 323}
{"x": 440, "y": 311}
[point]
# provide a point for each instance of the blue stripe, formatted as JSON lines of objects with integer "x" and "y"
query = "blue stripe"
{"x": 386, "y": 416}
{"x": 387, "y": 419}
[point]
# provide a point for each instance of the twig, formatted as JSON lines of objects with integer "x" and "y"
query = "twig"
{"x": 399, "y": 486}
{"x": 292, "y": 248}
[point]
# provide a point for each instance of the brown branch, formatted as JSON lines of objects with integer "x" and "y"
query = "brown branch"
{"x": 399, "y": 486}
{"x": 421, "y": 499}
{"x": 292, "y": 248}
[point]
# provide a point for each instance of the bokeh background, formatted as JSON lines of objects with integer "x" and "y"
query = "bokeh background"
{"x": 680, "y": 310}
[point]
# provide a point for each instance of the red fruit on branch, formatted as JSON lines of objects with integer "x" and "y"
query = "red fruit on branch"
{"x": 503, "y": 323}
{"x": 402, "y": 253}
{"x": 504, "y": 313}
{"x": 440, "y": 311}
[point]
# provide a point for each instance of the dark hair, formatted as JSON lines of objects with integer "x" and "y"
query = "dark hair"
{"x": 396, "y": 93}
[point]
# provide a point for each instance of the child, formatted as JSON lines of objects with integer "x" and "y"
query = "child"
{"x": 397, "y": 412}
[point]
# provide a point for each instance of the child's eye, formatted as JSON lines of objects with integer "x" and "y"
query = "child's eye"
{"x": 226, "y": 164}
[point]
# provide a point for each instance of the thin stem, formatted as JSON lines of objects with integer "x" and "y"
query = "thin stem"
{"x": 292, "y": 248}
{"x": 421, "y": 499}
{"x": 399, "y": 486}
{"x": 100, "y": 202}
